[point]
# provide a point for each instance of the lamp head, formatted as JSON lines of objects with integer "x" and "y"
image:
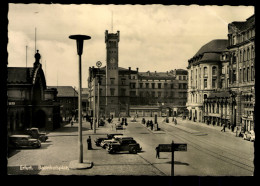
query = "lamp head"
{"x": 80, "y": 39}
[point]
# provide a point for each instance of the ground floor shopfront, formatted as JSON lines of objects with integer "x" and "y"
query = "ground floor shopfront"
{"x": 235, "y": 110}
{"x": 22, "y": 116}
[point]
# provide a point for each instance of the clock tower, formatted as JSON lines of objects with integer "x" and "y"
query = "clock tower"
{"x": 112, "y": 40}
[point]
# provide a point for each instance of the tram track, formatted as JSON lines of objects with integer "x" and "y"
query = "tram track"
{"x": 214, "y": 153}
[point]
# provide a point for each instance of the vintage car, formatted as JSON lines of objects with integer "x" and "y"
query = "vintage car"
{"x": 119, "y": 127}
{"x": 124, "y": 145}
{"x": 101, "y": 122}
{"x": 19, "y": 141}
{"x": 36, "y": 134}
{"x": 110, "y": 136}
{"x": 119, "y": 137}
{"x": 99, "y": 140}
{"x": 249, "y": 135}
{"x": 104, "y": 144}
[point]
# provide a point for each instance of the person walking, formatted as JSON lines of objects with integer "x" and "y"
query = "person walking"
{"x": 89, "y": 143}
{"x": 175, "y": 121}
{"x": 91, "y": 123}
{"x": 147, "y": 123}
{"x": 71, "y": 123}
{"x": 224, "y": 127}
{"x": 157, "y": 152}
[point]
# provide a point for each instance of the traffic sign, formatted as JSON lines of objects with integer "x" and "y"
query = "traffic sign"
{"x": 165, "y": 147}
{"x": 99, "y": 64}
{"x": 180, "y": 147}
{"x": 177, "y": 147}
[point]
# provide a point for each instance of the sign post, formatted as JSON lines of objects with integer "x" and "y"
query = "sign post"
{"x": 171, "y": 148}
{"x": 172, "y": 170}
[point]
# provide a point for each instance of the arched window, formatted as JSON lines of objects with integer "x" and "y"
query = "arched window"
{"x": 205, "y": 72}
{"x": 234, "y": 58}
{"x": 241, "y": 56}
{"x": 214, "y": 71}
{"x": 244, "y": 53}
{"x": 253, "y": 52}
{"x": 248, "y": 54}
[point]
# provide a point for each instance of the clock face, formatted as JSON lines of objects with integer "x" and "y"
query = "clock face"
{"x": 112, "y": 60}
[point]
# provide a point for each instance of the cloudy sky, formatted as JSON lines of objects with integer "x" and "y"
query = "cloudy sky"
{"x": 152, "y": 37}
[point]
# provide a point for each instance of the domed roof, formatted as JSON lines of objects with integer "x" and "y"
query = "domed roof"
{"x": 217, "y": 45}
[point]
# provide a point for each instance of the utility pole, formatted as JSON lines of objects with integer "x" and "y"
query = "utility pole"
{"x": 94, "y": 106}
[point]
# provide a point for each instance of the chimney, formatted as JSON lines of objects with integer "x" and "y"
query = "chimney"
{"x": 148, "y": 72}
{"x": 129, "y": 68}
{"x": 137, "y": 69}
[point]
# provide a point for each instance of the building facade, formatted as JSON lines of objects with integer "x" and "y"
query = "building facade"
{"x": 68, "y": 98}
{"x": 204, "y": 80}
{"x": 241, "y": 46}
{"x": 30, "y": 103}
{"x": 222, "y": 79}
{"x": 126, "y": 92}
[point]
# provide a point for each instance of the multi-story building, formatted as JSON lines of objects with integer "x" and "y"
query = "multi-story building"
{"x": 222, "y": 79}
{"x": 204, "y": 79}
{"x": 127, "y": 92}
{"x": 68, "y": 98}
{"x": 241, "y": 47}
{"x": 30, "y": 102}
{"x": 159, "y": 93}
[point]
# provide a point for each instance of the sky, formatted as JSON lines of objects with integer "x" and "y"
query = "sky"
{"x": 152, "y": 37}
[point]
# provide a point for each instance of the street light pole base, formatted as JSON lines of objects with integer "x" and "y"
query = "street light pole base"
{"x": 75, "y": 165}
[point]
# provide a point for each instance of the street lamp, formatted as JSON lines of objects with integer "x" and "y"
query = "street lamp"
{"x": 99, "y": 64}
{"x": 80, "y": 164}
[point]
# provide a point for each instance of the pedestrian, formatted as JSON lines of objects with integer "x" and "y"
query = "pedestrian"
{"x": 175, "y": 121}
{"x": 125, "y": 121}
{"x": 147, "y": 123}
{"x": 89, "y": 143}
{"x": 224, "y": 127}
{"x": 157, "y": 152}
{"x": 232, "y": 127}
{"x": 91, "y": 123}
{"x": 71, "y": 123}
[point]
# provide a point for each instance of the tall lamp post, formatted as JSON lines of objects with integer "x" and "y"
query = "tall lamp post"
{"x": 80, "y": 164}
{"x": 99, "y": 64}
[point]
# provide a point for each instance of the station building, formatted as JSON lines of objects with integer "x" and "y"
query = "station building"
{"x": 30, "y": 103}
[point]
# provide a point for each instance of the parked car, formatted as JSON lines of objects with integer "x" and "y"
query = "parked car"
{"x": 99, "y": 140}
{"x": 124, "y": 145}
{"x": 101, "y": 122}
{"x": 36, "y": 134}
{"x": 110, "y": 136}
{"x": 249, "y": 135}
{"x": 19, "y": 141}
{"x": 116, "y": 137}
{"x": 104, "y": 144}
{"x": 119, "y": 127}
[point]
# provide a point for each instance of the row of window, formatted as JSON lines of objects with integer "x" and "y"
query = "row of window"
{"x": 205, "y": 72}
{"x": 245, "y": 55}
{"x": 235, "y": 39}
{"x": 216, "y": 108}
{"x": 159, "y": 85}
{"x": 112, "y": 51}
{"x": 145, "y": 94}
